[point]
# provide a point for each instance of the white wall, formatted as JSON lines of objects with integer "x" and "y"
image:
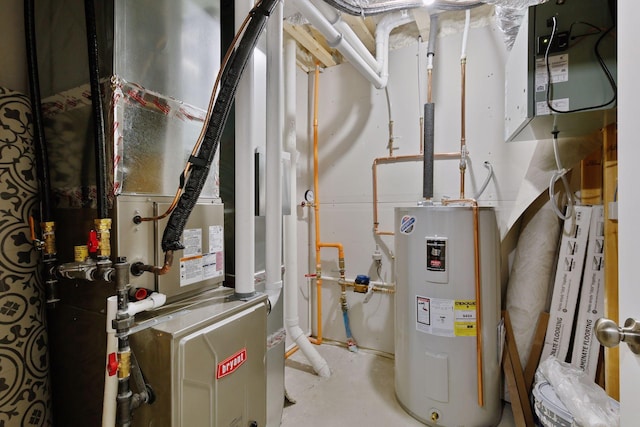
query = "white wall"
{"x": 353, "y": 130}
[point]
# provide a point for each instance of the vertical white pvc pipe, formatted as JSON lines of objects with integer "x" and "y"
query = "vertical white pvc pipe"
{"x": 274, "y": 118}
{"x": 291, "y": 221}
{"x": 244, "y": 171}
{"x": 110, "y": 381}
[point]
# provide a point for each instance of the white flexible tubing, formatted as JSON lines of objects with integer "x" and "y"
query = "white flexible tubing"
{"x": 560, "y": 173}
{"x": 465, "y": 34}
{"x": 335, "y": 38}
{"x": 244, "y": 171}
{"x": 273, "y": 167}
{"x": 110, "y": 381}
{"x": 291, "y": 221}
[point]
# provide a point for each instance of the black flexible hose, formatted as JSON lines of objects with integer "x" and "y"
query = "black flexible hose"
{"x": 97, "y": 110}
{"x": 230, "y": 78}
{"x": 42, "y": 162}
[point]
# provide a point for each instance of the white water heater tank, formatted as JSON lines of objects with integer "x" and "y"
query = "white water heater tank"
{"x": 436, "y": 359}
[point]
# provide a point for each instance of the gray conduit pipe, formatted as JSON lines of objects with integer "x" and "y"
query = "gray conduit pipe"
{"x": 291, "y": 221}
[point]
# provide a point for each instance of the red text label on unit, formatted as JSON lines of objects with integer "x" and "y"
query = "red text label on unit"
{"x": 230, "y": 364}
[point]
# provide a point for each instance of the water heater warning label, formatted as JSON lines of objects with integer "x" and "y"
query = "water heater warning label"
{"x": 445, "y": 317}
{"x": 436, "y": 255}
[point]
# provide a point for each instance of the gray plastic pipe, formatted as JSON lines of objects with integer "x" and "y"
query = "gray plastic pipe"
{"x": 294, "y": 331}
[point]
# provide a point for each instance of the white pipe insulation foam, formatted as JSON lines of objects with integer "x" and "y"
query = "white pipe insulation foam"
{"x": 273, "y": 179}
{"x": 291, "y": 221}
{"x": 530, "y": 279}
{"x": 327, "y": 20}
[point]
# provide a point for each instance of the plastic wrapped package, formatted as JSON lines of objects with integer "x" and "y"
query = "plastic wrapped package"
{"x": 586, "y": 401}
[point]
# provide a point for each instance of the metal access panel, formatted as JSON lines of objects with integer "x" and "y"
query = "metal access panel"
{"x": 578, "y": 78}
{"x": 206, "y": 364}
{"x": 197, "y": 267}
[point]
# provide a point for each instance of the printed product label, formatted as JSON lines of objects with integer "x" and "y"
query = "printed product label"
{"x": 465, "y": 318}
{"x": 558, "y": 69}
{"x": 407, "y": 224}
{"x": 445, "y": 317}
{"x": 231, "y": 364}
{"x": 436, "y": 255}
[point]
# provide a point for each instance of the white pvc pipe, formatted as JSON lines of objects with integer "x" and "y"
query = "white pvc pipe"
{"x": 291, "y": 221}
{"x": 244, "y": 171}
{"x": 273, "y": 180}
{"x": 383, "y": 30}
{"x": 154, "y": 300}
{"x": 335, "y": 38}
{"x": 110, "y": 381}
{"x": 333, "y": 16}
{"x": 323, "y": 17}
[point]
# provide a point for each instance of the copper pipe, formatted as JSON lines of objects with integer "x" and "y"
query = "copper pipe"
{"x": 463, "y": 139}
{"x": 291, "y": 352}
{"x": 476, "y": 248}
{"x": 168, "y": 261}
{"x": 429, "y": 85}
{"x": 397, "y": 159}
{"x": 316, "y": 210}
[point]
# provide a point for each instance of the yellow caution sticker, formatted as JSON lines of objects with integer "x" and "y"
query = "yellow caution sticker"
{"x": 464, "y": 314}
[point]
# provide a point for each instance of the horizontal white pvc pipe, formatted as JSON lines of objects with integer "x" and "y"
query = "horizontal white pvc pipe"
{"x": 291, "y": 221}
{"x": 154, "y": 300}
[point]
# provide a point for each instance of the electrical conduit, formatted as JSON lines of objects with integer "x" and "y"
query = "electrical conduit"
{"x": 351, "y": 343}
{"x": 294, "y": 331}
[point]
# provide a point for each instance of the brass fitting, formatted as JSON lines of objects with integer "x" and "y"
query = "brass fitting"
{"x": 49, "y": 237}
{"x": 124, "y": 365}
{"x": 103, "y": 230}
{"x": 435, "y": 416}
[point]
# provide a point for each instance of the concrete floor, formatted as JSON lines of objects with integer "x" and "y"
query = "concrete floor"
{"x": 360, "y": 392}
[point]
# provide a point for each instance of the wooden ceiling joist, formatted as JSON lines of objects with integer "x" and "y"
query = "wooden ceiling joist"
{"x": 307, "y": 41}
{"x": 361, "y": 29}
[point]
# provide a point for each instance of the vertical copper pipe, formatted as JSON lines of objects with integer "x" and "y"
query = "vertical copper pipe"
{"x": 316, "y": 211}
{"x": 478, "y": 290}
{"x": 316, "y": 205}
{"x": 463, "y": 139}
{"x": 476, "y": 247}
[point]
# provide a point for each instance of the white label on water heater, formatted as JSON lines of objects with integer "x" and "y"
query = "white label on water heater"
{"x": 435, "y": 316}
{"x": 445, "y": 317}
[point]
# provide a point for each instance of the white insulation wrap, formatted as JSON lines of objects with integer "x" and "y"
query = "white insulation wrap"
{"x": 530, "y": 278}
